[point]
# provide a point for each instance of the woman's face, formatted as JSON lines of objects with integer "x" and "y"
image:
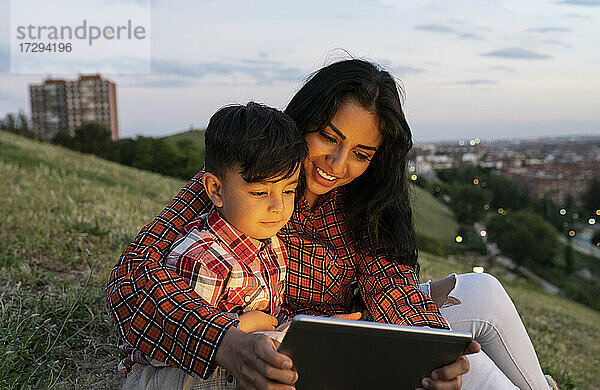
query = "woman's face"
{"x": 341, "y": 151}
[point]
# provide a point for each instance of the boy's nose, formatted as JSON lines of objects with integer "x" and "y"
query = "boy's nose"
{"x": 276, "y": 204}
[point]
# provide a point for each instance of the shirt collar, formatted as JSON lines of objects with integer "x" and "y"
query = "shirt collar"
{"x": 245, "y": 248}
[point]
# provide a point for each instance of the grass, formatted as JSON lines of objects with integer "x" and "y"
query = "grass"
{"x": 564, "y": 333}
{"x": 192, "y": 139}
{"x": 432, "y": 218}
{"x": 59, "y": 206}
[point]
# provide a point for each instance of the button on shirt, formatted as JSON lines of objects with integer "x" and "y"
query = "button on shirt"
{"x": 158, "y": 313}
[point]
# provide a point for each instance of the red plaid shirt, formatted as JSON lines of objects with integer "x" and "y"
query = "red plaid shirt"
{"x": 230, "y": 270}
{"x": 159, "y": 314}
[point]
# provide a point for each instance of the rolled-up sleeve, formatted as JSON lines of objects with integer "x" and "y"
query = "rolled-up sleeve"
{"x": 155, "y": 311}
{"x": 392, "y": 295}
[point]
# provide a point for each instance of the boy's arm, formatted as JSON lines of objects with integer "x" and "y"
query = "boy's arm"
{"x": 153, "y": 308}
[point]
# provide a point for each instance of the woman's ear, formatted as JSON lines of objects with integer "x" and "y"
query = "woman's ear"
{"x": 212, "y": 184}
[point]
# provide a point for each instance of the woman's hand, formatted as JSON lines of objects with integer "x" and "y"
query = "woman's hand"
{"x": 450, "y": 377}
{"x": 254, "y": 361}
{"x": 255, "y": 320}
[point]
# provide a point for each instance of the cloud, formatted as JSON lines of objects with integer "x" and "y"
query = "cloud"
{"x": 150, "y": 82}
{"x": 404, "y": 70}
{"x": 4, "y": 96}
{"x": 503, "y": 68}
{"x": 4, "y": 59}
{"x": 587, "y": 3}
{"x": 437, "y": 28}
{"x": 516, "y": 53}
{"x": 261, "y": 71}
{"x": 477, "y": 82}
{"x": 398, "y": 70}
{"x": 555, "y": 42}
{"x": 578, "y": 16}
{"x": 549, "y": 29}
{"x": 441, "y": 29}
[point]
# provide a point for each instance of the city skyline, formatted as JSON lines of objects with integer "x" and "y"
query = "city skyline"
{"x": 469, "y": 69}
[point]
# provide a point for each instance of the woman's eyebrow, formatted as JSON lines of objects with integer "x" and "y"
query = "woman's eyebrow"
{"x": 338, "y": 132}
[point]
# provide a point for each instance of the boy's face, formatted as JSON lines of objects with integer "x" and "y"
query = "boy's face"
{"x": 259, "y": 209}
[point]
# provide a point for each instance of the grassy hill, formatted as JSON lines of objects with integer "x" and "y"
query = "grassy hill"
{"x": 432, "y": 218}
{"x": 191, "y": 139}
{"x": 65, "y": 218}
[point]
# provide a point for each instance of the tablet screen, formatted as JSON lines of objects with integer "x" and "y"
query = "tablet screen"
{"x": 342, "y": 354}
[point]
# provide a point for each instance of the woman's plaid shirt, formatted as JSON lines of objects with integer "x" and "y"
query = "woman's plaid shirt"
{"x": 160, "y": 315}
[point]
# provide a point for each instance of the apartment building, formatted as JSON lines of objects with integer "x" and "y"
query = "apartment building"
{"x": 67, "y": 104}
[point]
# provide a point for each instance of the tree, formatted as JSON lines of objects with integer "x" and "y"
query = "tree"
{"x": 591, "y": 198}
{"x": 596, "y": 238}
{"x": 22, "y": 122}
{"x": 10, "y": 121}
{"x": 63, "y": 138}
{"x": 92, "y": 138}
{"x": 569, "y": 260}
{"x": 467, "y": 201}
{"x": 524, "y": 237}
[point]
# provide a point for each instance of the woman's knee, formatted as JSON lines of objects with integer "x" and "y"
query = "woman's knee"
{"x": 484, "y": 284}
{"x": 485, "y": 291}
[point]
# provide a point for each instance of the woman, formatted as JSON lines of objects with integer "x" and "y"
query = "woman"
{"x": 352, "y": 222}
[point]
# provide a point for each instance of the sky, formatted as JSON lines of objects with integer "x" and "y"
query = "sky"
{"x": 488, "y": 69}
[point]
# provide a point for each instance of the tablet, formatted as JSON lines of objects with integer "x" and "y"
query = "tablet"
{"x": 332, "y": 354}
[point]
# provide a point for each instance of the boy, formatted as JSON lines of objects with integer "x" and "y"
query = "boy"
{"x": 231, "y": 256}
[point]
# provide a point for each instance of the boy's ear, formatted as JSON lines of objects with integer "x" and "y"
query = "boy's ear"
{"x": 213, "y": 187}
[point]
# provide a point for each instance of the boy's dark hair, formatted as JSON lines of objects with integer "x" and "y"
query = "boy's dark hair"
{"x": 263, "y": 141}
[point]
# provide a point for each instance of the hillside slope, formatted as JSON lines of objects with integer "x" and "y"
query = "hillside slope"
{"x": 56, "y": 205}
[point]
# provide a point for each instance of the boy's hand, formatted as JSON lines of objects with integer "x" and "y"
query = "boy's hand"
{"x": 350, "y": 316}
{"x": 256, "y": 320}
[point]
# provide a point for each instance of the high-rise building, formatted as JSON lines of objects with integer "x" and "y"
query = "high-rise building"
{"x": 67, "y": 104}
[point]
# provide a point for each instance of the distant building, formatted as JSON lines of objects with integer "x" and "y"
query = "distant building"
{"x": 67, "y": 104}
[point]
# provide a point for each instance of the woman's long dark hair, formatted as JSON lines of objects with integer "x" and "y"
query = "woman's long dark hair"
{"x": 377, "y": 205}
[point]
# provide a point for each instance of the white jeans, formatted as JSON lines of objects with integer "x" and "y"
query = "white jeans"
{"x": 507, "y": 358}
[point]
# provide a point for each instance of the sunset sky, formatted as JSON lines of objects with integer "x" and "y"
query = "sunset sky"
{"x": 488, "y": 69}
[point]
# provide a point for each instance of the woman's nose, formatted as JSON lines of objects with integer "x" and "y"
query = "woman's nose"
{"x": 337, "y": 162}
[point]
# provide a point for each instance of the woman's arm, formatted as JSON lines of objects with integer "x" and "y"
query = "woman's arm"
{"x": 155, "y": 311}
{"x": 392, "y": 295}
